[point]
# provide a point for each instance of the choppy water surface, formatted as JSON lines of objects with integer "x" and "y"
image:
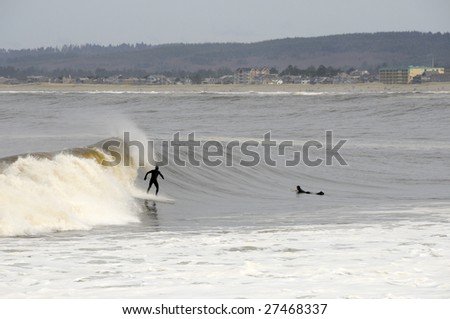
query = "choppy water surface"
{"x": 74, "y": 228}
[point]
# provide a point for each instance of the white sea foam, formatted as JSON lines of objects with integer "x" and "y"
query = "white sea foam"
{"x": 64, "y": 193}
{"x": 406, "y": 260}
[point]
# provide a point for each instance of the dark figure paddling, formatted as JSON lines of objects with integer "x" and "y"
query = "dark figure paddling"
{"x": 301, "y": 191}
{"x": 153, "y": 178}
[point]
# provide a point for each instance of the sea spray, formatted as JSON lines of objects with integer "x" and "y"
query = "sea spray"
{"x": 135, "y": 147}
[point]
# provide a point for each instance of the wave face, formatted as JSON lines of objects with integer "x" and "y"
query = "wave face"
{"x": 65, "y": 191}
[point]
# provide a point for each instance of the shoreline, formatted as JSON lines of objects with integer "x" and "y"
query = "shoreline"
{"x": 228, "y": 88}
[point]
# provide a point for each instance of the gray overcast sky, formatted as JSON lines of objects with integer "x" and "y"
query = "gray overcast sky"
{"x": 37, "y": 23}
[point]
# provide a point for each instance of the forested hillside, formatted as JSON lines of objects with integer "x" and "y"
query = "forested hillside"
{"x": 340, "y": 51}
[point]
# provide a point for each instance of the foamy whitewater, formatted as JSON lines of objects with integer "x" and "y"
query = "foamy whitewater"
{"x": 74, "y": 228}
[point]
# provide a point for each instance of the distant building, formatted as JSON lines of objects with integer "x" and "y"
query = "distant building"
{"x": 37, "y": 79}
{"x": 406, "y": 75}
{"x": 394, "y": 75}
{"x": 211, "y": 81}
{"x": 259, "y": 72}
{"x": 250, "y": 75}
{"x": 227, "y": 79}
{"x": 242, "y": 76}
{"x": 439, "y": 77}
{"x": 4, "y": 80}
{"x": 156, "y": 79}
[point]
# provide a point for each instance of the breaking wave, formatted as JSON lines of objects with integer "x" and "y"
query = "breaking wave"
{"x": 69, "y": 190}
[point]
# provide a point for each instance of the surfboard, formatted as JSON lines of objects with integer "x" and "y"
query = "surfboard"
{"x": 158, "y": 199}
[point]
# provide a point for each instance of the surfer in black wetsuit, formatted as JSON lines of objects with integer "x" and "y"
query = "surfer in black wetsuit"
{"x": 301, "y": 191}
{"x": 154, "y": 178}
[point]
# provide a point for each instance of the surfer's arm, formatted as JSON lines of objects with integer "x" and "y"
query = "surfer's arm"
{"x": 145, "y": 178}
{"x": 161, "y": 175}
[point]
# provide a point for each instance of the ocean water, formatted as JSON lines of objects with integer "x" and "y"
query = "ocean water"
{"x": 73, "y": 228}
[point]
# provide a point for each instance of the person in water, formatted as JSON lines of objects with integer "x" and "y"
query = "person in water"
{"x": 301, "y": 191}
{"x": 153, "y": 178}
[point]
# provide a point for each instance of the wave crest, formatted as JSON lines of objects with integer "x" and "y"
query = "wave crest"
{"x": 69, "y": 190}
